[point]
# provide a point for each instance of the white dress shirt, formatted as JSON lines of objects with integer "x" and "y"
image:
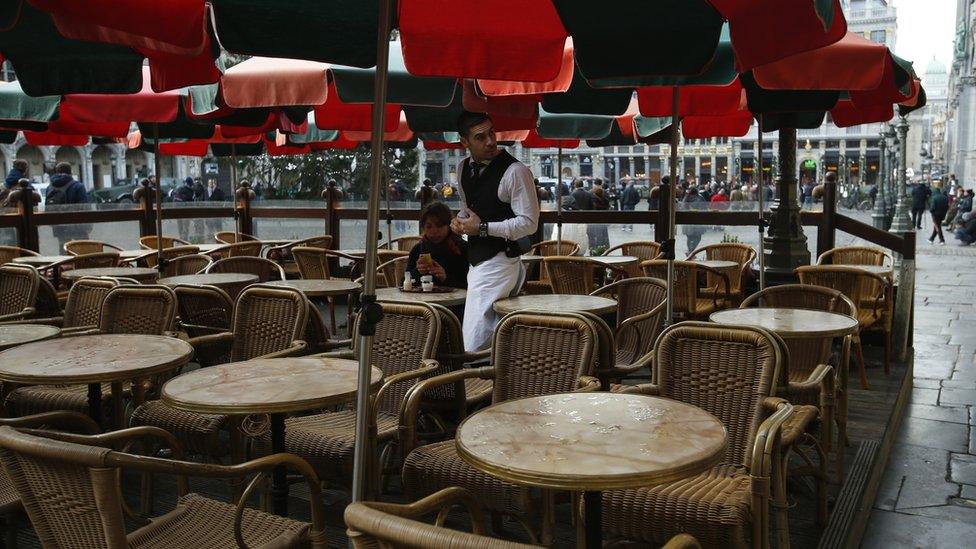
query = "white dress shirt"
{"x": 516, "y": 188}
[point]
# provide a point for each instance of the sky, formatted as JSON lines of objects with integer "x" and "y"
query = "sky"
{"x": 926, "y": 28}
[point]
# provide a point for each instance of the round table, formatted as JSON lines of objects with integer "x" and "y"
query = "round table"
{"x": 717, "y": 263}
{"x": 207, "y": 248}
{"x": 559, "y": 303}
{"x": 274, "y": 386}
{"x": 12, "y": 335}
{"x": 448, "y": 299}
{"x": 883, "y": 270}
{"x": 591, "y": 442}
{"x": 614, "y": 260}
{"x": 92, "y": 360}
{"x": 319, "y": 287}
{"x": 141, "y": 274}
{"x": 789, "y": 322}
{"x": 41, "y": 260}
{"x": 130, "y": 255}
{"x": 232, "y": 283}
{"x": 531, "y": 259}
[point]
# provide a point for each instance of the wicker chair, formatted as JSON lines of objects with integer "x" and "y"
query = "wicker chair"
{"x": 83, "y": 305}
{"x": 743, "y": 254}
{"x": 149, "y": 242}
{"x": 692, "y": 302}
{"x": 18, "y": 291}
{"x": 86, "y": 261}
{"x": 390, "y": 273}
{"x": 856, "y": 255}
{"x": 871, "y": 295}
{"x": 404, "y": 243}
{"x": 533, "y": 353}
{"x": 405, "y": 342}
{"x": 731, "y": 373}
{"x": 268, "y": 322}
{"x": 187, "y": 265}
{"x": 231, "y": 237}
{"x": 169, "y": 254}
{"x": 283, "y": 256}
{"x": 265, "y": 269}
{"x": 318, "y": 338}
{"x": 126, "y": 309}
{"x": 250, "y": 248}
{"x": 86, "y": 247}
{"x": 643, "y": 250}
{"x": 204, "y": 310}
{"x": 398, "y": 526}
{"x": 570, "y": 275}
{"x": 548, "y": 248}
{"x": 313, "y": 264}
{"x": 9, "y": 253}
{"x": 640, "y": 317}
{"x": 47, "y": 305}
{"x": 86, "y": 472}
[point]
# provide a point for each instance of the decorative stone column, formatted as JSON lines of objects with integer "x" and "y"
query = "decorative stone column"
{"x": 785, "y": 244}
{"x": 879, "y": 215}
{"x": 902, "y": 222}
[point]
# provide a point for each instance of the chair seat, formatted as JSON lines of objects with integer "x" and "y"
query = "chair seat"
{"x": 714, "y": 507}
{"x": 327, "y": 440}
{"x": 803, "y": 417}
{"x": 477, "y": 390}
{"x": 705, "y": 306}
{"x": 436, "y": 466}
{"x": 867, "y": 318}
{"x": 37, "y": 399}
{"x": 199, "y": 432}
{"x": 203, "y": 523}
{"x": 533, "y": 287}
{"x": 9, "y": 499}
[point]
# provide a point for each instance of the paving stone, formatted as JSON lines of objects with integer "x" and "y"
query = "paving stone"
{"x": 932, "y": 368}
{"x": 957, "y": 511}
{"x": 935, "y": 351}
{"x": 962, "y": 468}
{"x": 915, "y": 477}
{"x": 934, "y": 434}
{"x": 925, "y": 396}
{"x": 958, "y": 396}
{"x": 927, "y": 383}
{"x": 968, "y": 492}
{"x": 888, "y": 530}
{"x": 952, "y": 414}
{"x": 958, "y": 384}
{"x": 964, "y": 372}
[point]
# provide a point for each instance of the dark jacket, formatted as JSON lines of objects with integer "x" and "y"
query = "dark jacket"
{"x": 74, "y": 191}
{"x": 217, "y": 196}
{"x": 452, "y": 254}
{"x": 600, "y": 202}
{"x": 183, "y": 193}
{"x": 13, "y": 176}
{"x": 630, "y": 197}
{"x": 940, "y": 205}
{"x": 582, "y": 198}
{"x": 920, "y": 196}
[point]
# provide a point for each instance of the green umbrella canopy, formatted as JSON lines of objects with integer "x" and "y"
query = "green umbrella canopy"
{"x": 19, "y": 110}
{"x": 355, "y": 85}
{"x": 314, "y": 134}
{"x": 435, "y": 119}
{"x": 581, "y": 98}
{"x": 574, "y": 126}
{"x": 50, "y": 64}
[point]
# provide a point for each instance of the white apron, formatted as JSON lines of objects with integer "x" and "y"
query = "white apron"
{"x": 493, "y": 279}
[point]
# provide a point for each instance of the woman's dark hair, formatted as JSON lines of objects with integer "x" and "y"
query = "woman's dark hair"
{"x": 437, "y": 210}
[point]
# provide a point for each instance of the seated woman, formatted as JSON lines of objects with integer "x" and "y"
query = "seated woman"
{"x": 441, "y": 253}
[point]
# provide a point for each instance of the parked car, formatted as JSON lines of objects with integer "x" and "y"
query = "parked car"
{"x": 121, "y": 192}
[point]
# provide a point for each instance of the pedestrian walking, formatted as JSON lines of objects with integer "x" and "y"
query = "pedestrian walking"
{"x": 938, "y": 209}
{"x": 920, "y": 198}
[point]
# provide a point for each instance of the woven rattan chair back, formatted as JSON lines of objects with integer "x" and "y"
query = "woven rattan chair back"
{"x": 204, "y": 309}
{"x": 171, "y": 253}
{"x": 570, "y": 275}
{"x": 187, "y": 265}
{"x": 265, "y": 269}
{"x": 9, "y": 253}
{"x": 726, "y": 371}
{"x": 267, "y": 319}
{"x": 85, "y": 301}
{"x": 864, "y": 289}
{"x": 390, "y": 273}
{"x": 313, "y": 262}
{"x": 450, "y": 348}
{"x": 95, "y": 260}
{"x": 230, "y": 237}
{"x": 18, "y": 288}
{"x": 550, "y": 248}
{"x": 856, "y": 255}
{"x": 635, "y": 297}
{"x": 643, "y": 250}
{"x": 85, "y": 247}
{"x": 250, "y": 248}
{"x": 538, "y": 353}
{"x": 406, "y": 243}
{"x": 685, "y": 281}
{"x": 284, "y": 252}
{"x": 149, "y": 242}
{"x": 316, "y": 331}
{"x": 69, "y": 491}
{"x": 606, "y": 353}
{"x": 145, "y": 309}
{"x": 408, "y": 334}
{"x": 47, "y": 304}
{"x": 805, "y": 353}
{"x": 742, "y": 254}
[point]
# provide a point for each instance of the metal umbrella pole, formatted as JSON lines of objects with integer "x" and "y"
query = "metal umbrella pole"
{"x": 159, "y": 202}
{"x": 762, "y": 211}
{"x": 669, "y": 245}
{"x": 389, "y": 212}
{"x": 371, "y": 313}
{"x": 559, "y": 200}
{"x": 233, "y": 190}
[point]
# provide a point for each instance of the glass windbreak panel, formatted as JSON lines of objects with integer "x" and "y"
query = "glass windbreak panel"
{"x": 289, "y": 203}
{"x": 8, "y": 236}
{"x": 199, "y": 230}
{"x": 124, "y": 234}
{"x": 89, "y": 207}
{"x": 353, "y": 232}
{"x": 287, "y": 228}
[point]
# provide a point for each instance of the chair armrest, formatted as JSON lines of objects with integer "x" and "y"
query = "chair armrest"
{"x": 297, "y": 348}
{"x": 26, "y": 313}
{"x": 441, "y": 502}
{"x": 347, "y": 354}
{"x": 643, "y": 389}
{"x": 56, "y": 321}
{"x": 632, "y": 322}
{"x": 212, "y": 348}
{"x": 80, "y": 330}
{"x": 336, "y": 344}
{"x": 587, "y": 384}
{"x": 414, "y": 397}
{"x": 427, "y": 366}
{"x": 821, "y": 378}
{"x": 767, "y": 440}
{"x": 617, "y": 372}
{"x": 352, "y": 258}
{"x": 465, "y": 358}
{"x": 80, "y": 422}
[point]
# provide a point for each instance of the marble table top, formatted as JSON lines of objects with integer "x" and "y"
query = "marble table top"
{"x": 788, "y": 322}
{"x": 138, "y": 273}
{"x": 12, "y": 335}
{"x": 717, "y": 263}
{"x": 212, "y": 279}
{"x": 447, "y": 299}
{"x": 41, "y": 260}
{"x": 319, "y": 288}
{"x": 562, "y": 303}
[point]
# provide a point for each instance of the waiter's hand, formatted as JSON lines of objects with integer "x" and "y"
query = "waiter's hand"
{"x": 468, "y": 226}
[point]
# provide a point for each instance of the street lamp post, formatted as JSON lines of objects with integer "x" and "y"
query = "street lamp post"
{"x": 891, "y": 169}
{"x": 902, "y": 222}
{"x": 880, "y": 214}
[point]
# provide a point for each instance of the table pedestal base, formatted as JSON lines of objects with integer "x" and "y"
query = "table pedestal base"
{"x": 593, "y": 520}
{"x": 279, "y": 479}
{"x": 95, "y": 402}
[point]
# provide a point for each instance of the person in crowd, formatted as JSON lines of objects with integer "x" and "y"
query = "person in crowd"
{"x": 965, "y": 205}
{"x": 806, "y": 192}
{"x": 199, "y": 195}
{"x": 920, "y": 198}
{"x": 183, "y": 194}
{"x": 541, "y": 192}
{"x": 720, "y": 200}
{"x": 597, "y": 233}
{"x": 426, "y": 193}
{"x": 693, "y": 233}
{"x": 441, "y": 254}
{"x": 628, "y": 202}
{"x": 939, "y": 208}
{"x": 500, "y": 212}
{"x": 581, "y": 197}
{"x": 213, "y": 194}
{"x": 966, "y": 233}
{"x": 17, "y": 172}
{"x": 65, "y": 189}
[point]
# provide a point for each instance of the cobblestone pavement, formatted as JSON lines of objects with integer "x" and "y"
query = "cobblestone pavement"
{"x": 927, "y": 497}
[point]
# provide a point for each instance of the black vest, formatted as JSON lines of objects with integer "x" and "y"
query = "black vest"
{"x": 481, "y": 195}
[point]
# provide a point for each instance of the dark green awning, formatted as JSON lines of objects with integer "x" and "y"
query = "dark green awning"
{"x": 574, "y": 126}
{"x": 581, "y": 98}
{"x": 355, "y": 85}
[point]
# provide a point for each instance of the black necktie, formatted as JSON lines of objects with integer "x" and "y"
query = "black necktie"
{"x": 476, "y": 168}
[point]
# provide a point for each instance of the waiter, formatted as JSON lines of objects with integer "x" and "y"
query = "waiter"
{"x": 500, "y": 211}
